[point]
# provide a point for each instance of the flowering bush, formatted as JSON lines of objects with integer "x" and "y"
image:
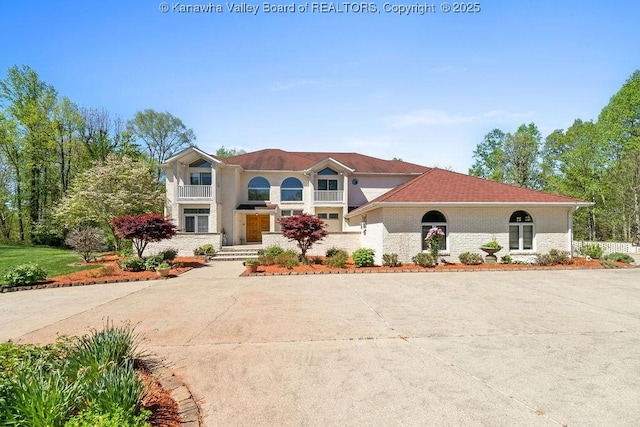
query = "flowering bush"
{"x": 433, "y": 242}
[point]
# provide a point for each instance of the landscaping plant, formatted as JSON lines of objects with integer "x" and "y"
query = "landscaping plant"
{"x": 433, "y": 239}
{"x": 619, "y": 257}
{"x": 592, "y": 250}
{"x": 86, "y": 241}
{"x": 470, "y": 258}
{"x": 143, "y": 229}
{"x": 363, "y": 257}
{"x": 390, "y": 260}
{"x": 336, "y": 258}
{"x": 424, "y": 259}
{"x": 25, "y": 274}
{"x": 304, "y": 229}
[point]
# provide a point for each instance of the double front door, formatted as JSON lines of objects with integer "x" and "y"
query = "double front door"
{"x": 256, "y": 224}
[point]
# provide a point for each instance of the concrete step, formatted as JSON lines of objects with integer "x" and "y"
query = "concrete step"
{"x": 234, "y": 254}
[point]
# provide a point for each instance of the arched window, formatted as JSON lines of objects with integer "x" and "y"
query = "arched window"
{"x": 434, "y": 219}
{"x": 291, "y": 190}
{"x": 521, "y": 231}
{"x": 258, "y": 189}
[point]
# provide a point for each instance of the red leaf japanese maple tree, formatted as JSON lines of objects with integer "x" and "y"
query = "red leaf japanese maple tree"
{"x": 142, "y": 229}
{"x": 304, "y": 229}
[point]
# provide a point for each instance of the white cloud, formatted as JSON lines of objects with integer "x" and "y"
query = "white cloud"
{"x": 430, "y": 117}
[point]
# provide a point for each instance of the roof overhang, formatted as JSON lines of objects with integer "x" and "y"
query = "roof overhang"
{"x": 379, "y": 205}
{"x": 186, "y": 152}
{"x": 329, "y": 161}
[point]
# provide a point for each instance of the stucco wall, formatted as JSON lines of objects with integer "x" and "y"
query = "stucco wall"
{"x": 399, "y": 230}
{"x": 347, "y": 241}
{"x": 371, "y": 186}
{"x": 185, "y": 243}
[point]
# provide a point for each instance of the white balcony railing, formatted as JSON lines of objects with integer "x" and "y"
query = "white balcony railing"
{"x": 194, "y": 191}
{"x": 329, "y": 196}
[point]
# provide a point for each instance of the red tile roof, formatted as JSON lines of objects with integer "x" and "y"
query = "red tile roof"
{"x": 274, "y": 159}
{"x": 443, "y": 186}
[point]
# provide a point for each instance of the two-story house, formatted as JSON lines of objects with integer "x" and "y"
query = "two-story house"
{"x": 386, "y": 205}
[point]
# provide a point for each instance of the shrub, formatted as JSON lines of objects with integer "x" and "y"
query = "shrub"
{"x": 390, "y": 260}
{"x": 269, "y": 255}
{"x": 606, "y": 263}
{"x": 560, "y": 257}
{"x": 316, "y": 260}
{"x": 592, "y": 250}
{"x": 620, "y": 257}
{"x": 492, "y": 244}
{"x": 332, "y": 251}
{"x": 506, "y": 259}
{"x": 363, "y": 257}
{"x": 338, "y": 258}
{"x": 115, "y": 418}
{"x": 86, "y": 241}
{"x": 152, "y": 262}
{"x": 169, "y": 254}
{"x": 206, "y": 249}
{"x": 470, "y": 258}
{"x": 554, "y": 257}
{"x": 288, "y": 259}
{"x": 132, "y": 264}
{"x": 424, "y": 259}
{"x": 25, "y": 274}
{"x": 105, "y": 270}
{"x": 273, "y": 250}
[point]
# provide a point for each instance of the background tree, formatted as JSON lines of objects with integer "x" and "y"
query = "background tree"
{"x": 223, "y": 152}
{"x": 86, "y": 241}
{"x": 161, "y": 134}
{"x": 304, "y": 229}
{"x": 143, "y": 229}
{"x": 489, "y": 157}
{"x": 117, "y": 187}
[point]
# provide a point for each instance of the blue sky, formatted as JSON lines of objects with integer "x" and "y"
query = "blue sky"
{"x": 425, "y": 88}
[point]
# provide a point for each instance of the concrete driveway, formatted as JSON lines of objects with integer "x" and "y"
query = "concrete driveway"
{"x": 502, "y": 348}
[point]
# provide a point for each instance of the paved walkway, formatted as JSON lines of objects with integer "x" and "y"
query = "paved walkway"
{"x": 485, "y": 348}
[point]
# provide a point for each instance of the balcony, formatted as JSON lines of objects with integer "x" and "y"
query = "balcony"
{"x": 328, "y": 196}
{"x": 195, "y": 192}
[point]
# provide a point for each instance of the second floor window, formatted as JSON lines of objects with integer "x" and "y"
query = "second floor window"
{"x": 200, "y": 178}
{"x": 326, "y": 180}
{"x": 259, "y": 189}
{"x": 291, "y": 190}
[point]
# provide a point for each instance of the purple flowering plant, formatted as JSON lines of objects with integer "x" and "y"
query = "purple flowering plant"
{"x": 433, "y": 241}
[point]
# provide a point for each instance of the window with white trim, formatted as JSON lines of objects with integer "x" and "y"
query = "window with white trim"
{"x": 521, "y": 231}
{"x": 291, "y": 190}
{"x": 325, "y": 183}
{"x": 434, "y": 219}
{"x": 200, "y": 178}
{"x": 290, "y": 212}
{"x": 328, "y": 215}
{"x": 196, "y": 220}
{"x": 258, "y": 189}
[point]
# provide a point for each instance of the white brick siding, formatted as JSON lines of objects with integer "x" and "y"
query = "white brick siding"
{"x": 347, "y": 241}
{"x": 185, "y": 243}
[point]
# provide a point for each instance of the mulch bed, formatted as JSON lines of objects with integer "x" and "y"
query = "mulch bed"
{"x": 277, "y": 270}
{"x": 86, "y": 277}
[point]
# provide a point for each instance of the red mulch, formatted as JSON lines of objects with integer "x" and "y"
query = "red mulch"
{"x": 579, "y": 263}
{"x": 164, "y": 410}
{"x": 179, "y": 266}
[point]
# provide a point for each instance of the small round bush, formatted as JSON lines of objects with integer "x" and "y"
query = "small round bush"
{"x": 273, "y": 250}
{"x": 332, "y": 251}
{"x": 620, "y": 257}
{"x": 338, "y": 259}
{"x": 390, "y": 260}
{"x": 169, "y": 254}
{"x": 25, "y": 274}
{"x": 152, "y": 262}
{"x": 132, "y": 264}
{"x": 288, "y": 258}
{"x": 470, "y": 258}
{"x": 206, "y": 249}
{"x": 363, "y": 257}
{"x": 592, "y": 250}
{"x": 424, "y": 259}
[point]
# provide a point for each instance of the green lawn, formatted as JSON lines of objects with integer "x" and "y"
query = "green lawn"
{"x": 55, "y": 261}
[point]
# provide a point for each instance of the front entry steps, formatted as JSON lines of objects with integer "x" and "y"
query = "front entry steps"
{"x": 236, "y": 253}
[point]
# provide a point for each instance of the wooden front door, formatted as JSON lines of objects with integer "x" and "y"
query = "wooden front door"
{"x": 256, "y": 224}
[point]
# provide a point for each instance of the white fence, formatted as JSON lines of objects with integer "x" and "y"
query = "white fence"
{"x": 610, "y": 247}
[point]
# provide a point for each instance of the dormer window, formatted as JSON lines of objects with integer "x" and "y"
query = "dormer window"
{"x": 326, "y": 180}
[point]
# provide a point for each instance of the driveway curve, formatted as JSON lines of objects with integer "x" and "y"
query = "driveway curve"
{"x": 483, "y": 348}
